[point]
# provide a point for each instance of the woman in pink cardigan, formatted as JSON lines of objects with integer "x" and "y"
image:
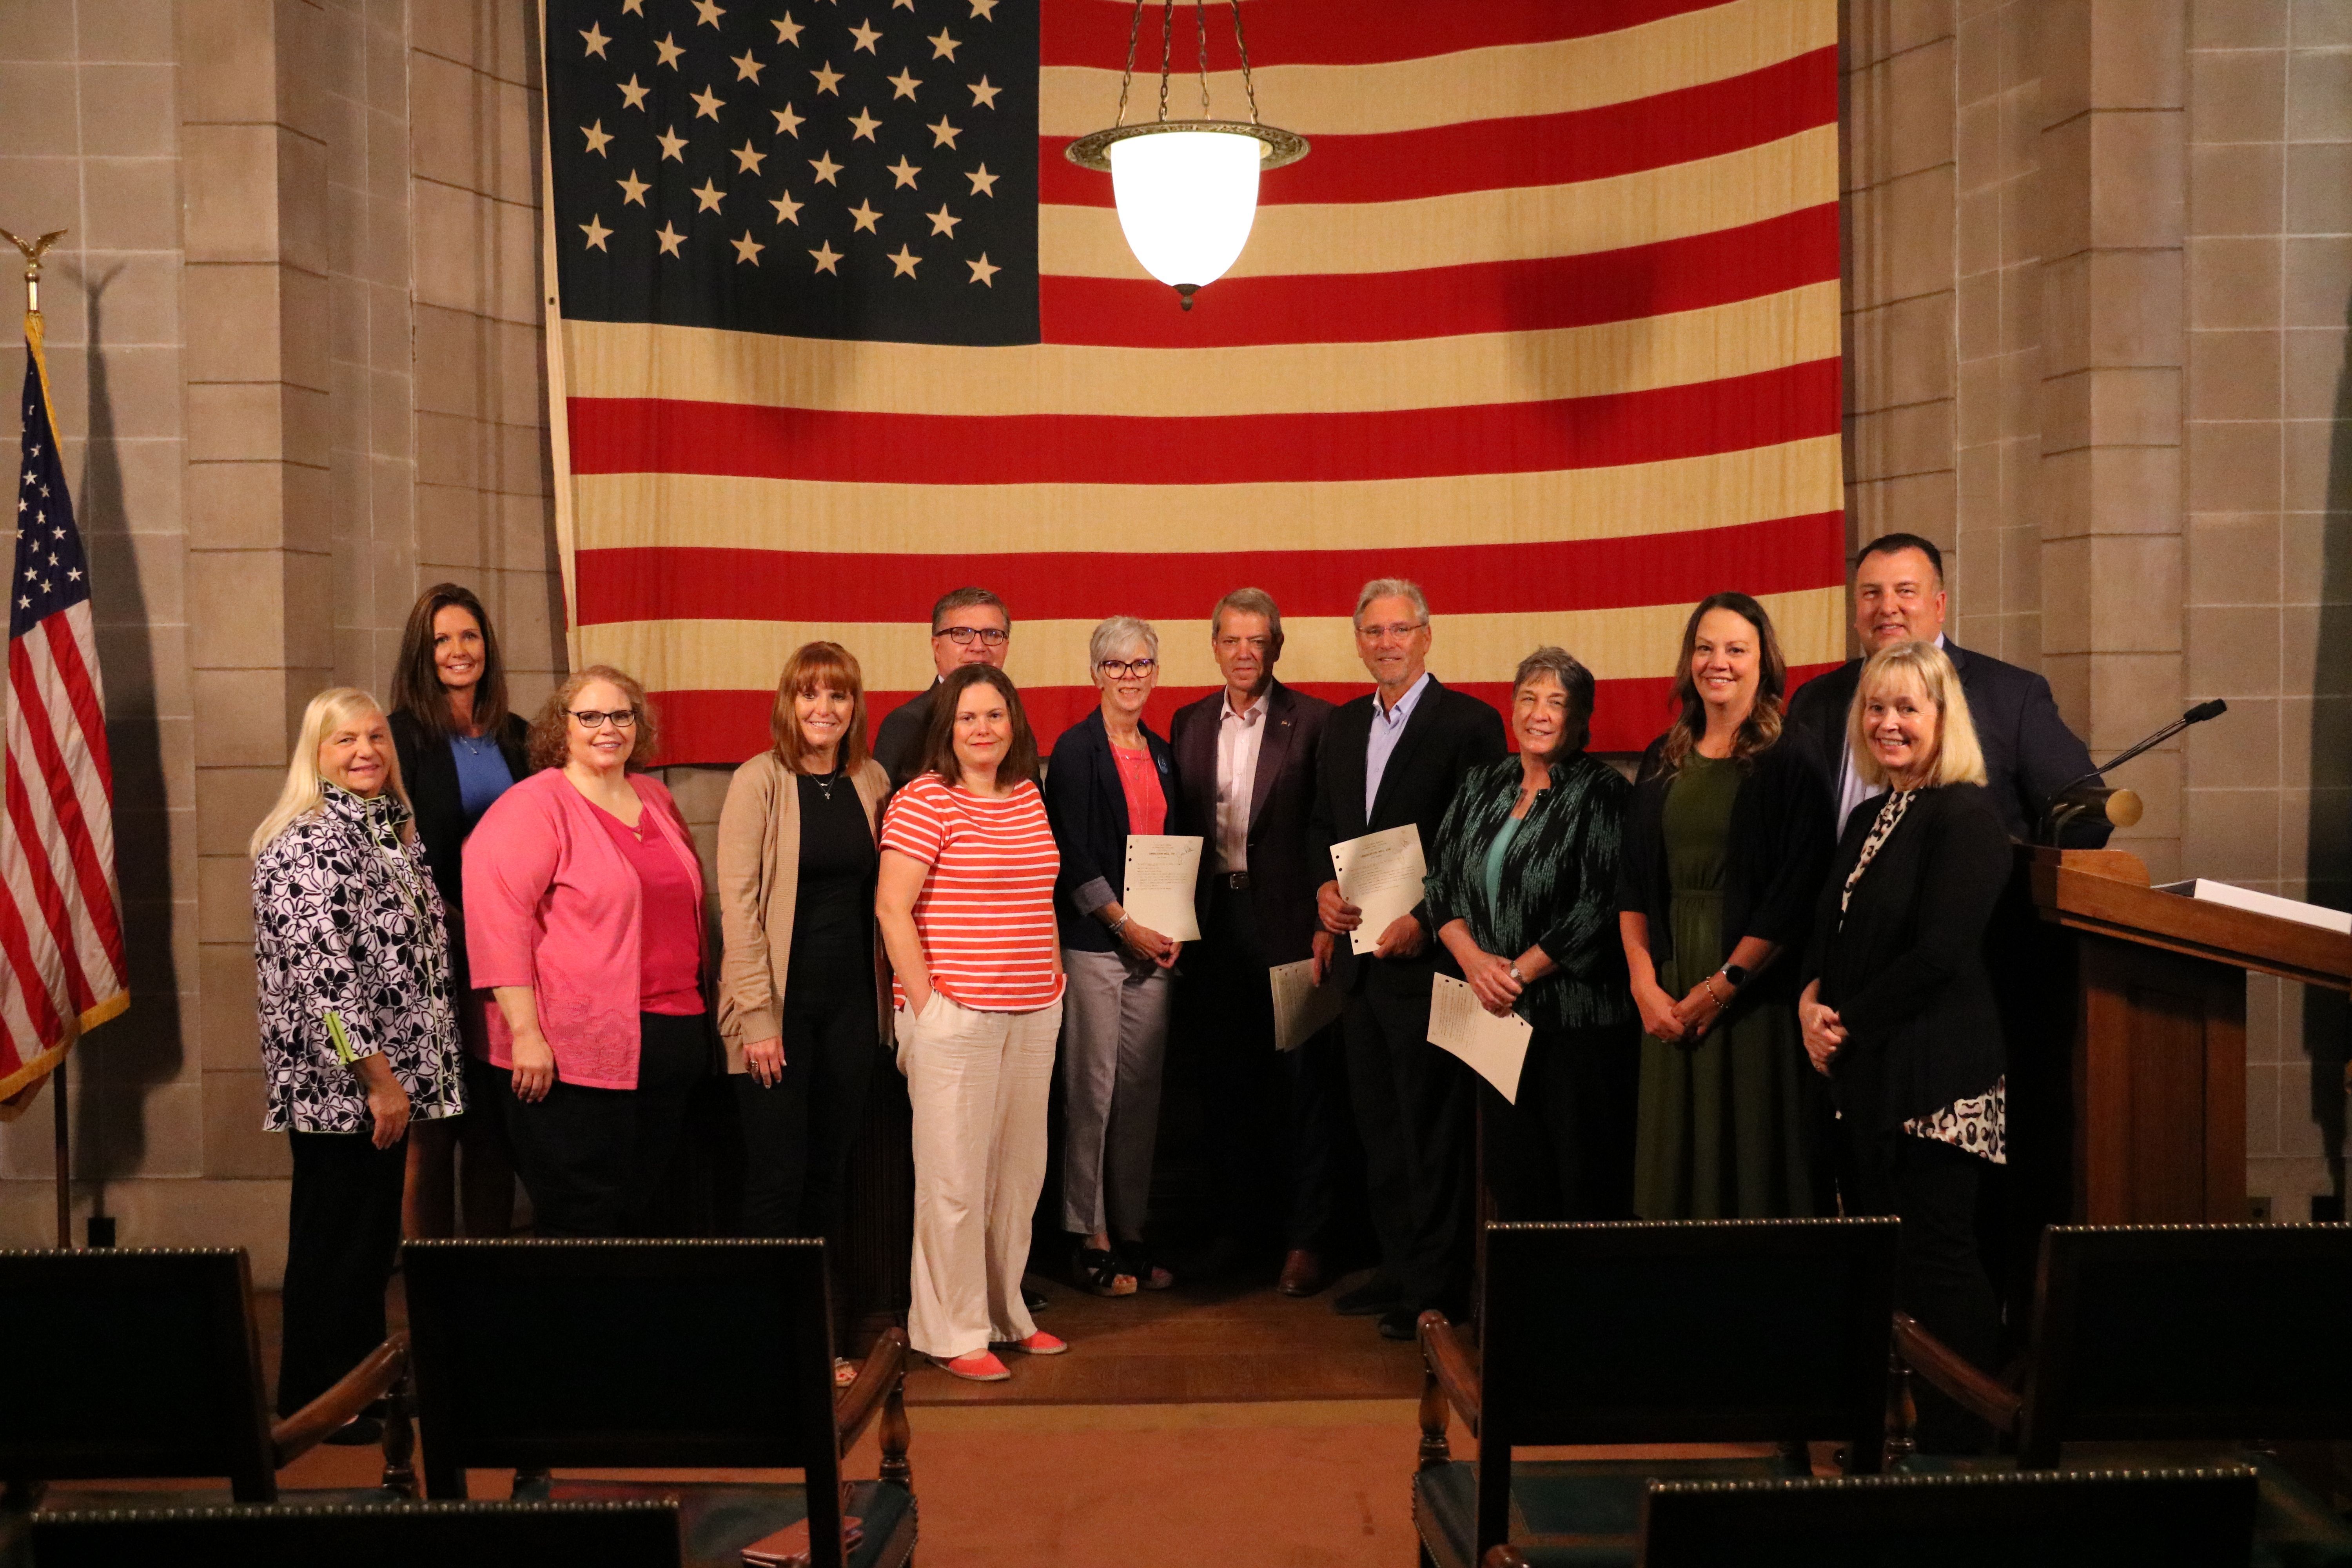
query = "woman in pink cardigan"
{"x": 583, "y": 917}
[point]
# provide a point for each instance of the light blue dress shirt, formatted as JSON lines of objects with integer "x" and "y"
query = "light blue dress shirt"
{"x": 1388, "y": 726}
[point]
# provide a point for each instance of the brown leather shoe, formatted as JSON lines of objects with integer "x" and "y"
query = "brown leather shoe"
{"x": 1302, "y": 1273}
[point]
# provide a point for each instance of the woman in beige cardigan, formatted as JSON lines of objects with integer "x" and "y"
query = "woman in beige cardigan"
{"x": 803, "y": 994}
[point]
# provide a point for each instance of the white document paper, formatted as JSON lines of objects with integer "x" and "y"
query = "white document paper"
{"x": 2261, "y": 903}
{"x": 1381, "y": 873}
{"x": 1300, "y": 1006}
{"x": 1497, "y": 1047}
{"x": 1162, "y": 870}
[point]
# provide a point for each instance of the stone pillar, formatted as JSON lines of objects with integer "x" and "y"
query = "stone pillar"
{"x": 2112, "y": 198}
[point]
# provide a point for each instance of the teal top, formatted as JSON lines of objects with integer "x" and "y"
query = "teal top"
{"x": 1494, "y": 853}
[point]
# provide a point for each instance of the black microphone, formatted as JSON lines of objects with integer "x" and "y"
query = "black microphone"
{"x": 2054, "y": 819}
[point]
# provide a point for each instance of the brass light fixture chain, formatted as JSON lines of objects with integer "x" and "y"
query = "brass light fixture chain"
{"x": 1201, "y": 19}
{"x": 1242, "y": 44}
{"x": 1134, "y": 31}
{"x": 1167, "y": 46}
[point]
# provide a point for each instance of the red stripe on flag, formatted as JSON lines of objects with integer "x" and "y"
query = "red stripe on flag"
{"x": 659, "y": 582}
{"x": 1703, "y": 122}
{"x": 730, "y": 726}
{"x": 619, "y": 435}
{"x": 1540, "y": 294}
{"x": 1337, "y": 32}
{"x": 16, "y": 948}
{"x": 65, "y": 648}
{"x": 65, "y": 802}
{"x": 47, "y": 893}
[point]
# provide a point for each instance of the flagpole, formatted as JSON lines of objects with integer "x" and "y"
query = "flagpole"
{"x": 63, "y": 1150}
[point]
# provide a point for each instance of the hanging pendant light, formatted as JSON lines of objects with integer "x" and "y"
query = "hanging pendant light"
{"x": 1186, "y": 189}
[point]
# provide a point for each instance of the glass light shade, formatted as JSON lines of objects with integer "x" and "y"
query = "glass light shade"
{"x": 1186, "y": 201}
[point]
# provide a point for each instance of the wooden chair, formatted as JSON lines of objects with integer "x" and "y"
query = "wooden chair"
{"x": 148, "y": 1363}
{"x": 1709, "y": 1332}
{"x": 2221, "y": 1335}
{"x": 2147, "y": 1519}
{"x": 641, "y": 1534}
{"x": 534, "y": 1355}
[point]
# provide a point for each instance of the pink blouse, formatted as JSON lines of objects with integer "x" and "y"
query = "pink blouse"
{"x": 551, "y": 903}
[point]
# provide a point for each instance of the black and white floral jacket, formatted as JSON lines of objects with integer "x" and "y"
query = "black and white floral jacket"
{"x": 352, "y": 957}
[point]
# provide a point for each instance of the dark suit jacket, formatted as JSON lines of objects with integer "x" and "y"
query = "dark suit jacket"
{"x": 1906, "y": 970}
{"x": 1087, "y": 806}
{"x": 898, "y": 743}
{"x": 1449, "y": 733}
{"x": 2029, "y": 752}
{"x": 429, "y": 772}
{"x": 1282, "y": 795}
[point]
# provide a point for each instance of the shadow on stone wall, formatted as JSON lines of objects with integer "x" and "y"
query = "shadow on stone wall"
{"x": 2326, "y": 1015}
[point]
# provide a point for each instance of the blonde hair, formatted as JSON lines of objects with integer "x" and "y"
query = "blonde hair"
{"x": 1922, "y": 666}
{"x": 305, "y": 790}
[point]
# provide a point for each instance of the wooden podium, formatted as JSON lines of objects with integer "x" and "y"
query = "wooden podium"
{"x": 2126, "y": 1013}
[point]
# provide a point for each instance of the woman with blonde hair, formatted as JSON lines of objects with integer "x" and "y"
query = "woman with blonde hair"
{"x": 583, "y": 917}
{"x": 802, "y": 997}
{"x": 358, "y": 1038}
{"x": 1898, "y": 1008}
{"x": 1726, "y": 841}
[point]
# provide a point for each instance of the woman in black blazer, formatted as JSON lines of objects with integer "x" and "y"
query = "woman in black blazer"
{"x": 1726, "y": 844}
{"x": 1898, "y": 1008}
{"x": 1112, "y": 777}
{"x": 459, "y": 750}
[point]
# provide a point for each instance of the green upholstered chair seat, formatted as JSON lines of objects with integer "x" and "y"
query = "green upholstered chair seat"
{"x": 719, "y": 1520}
{"x": 1564, "y": 1513}
{"x": 2294, "y": 1527}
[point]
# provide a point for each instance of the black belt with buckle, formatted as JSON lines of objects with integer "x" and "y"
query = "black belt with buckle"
{"x": 1233, "y": 880}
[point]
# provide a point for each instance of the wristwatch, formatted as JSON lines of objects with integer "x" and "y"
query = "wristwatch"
{"x": 1515, "y": 975}
{"x": 1736, "y": 974}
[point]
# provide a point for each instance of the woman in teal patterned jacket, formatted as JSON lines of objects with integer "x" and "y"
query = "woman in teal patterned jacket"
{"x": 1524, "y": 895}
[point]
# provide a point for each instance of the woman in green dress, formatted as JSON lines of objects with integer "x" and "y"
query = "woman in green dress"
{"x": 1726, "y": 842}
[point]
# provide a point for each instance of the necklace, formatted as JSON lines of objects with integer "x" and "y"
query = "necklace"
{"x": 824, "y": 781}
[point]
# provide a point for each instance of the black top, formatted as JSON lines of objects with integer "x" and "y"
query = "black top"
{"x": 430, "y": 773}
{"x": 1282, "y": 890}
{"x": 1906, "y": 971}
{"x": 833, "y": 911}
{"x": 1780, "y": 848}
{"x": 1087, "y": 806}
{"x": 1448, "y": 733}
{"x": 898, "y": 743}
{"x": 1558, "y": 886}
{"x": 2029, "y": 752}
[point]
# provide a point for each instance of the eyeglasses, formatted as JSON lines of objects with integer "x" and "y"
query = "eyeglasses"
{"x": 1398, "y": 632}
{"x": 595, "y": 719}
{"x": 989, "y": 637}
{"x": 1128, "y": 669}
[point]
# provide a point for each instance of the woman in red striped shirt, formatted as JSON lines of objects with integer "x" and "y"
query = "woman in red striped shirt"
{"x": 965, "y": 900}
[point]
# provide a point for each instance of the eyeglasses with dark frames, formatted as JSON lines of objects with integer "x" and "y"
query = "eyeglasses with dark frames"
{"x": 596, "y": 718}
{"x": 989, "y": 637}
{"x": 1128, "y": 669}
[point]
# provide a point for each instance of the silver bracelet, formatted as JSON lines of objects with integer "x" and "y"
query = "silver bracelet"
{"x": 1119, "y": 924}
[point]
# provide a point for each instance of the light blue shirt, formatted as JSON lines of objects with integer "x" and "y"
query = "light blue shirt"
{"x": 1388, "y": 726}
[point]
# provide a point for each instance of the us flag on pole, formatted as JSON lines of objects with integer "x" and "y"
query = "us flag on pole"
{"x": 60, "y": 922}
{"x": 1548, "y": 321}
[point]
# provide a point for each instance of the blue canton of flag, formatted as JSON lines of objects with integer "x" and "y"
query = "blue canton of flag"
{"x": 52, "y": 573}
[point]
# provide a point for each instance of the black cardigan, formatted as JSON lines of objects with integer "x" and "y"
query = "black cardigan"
{"x": 1780, "y": 851}
{"x": 1088, "y": 808}
{"x": 1906, "y": 972}
{"x": 430, "y": 773}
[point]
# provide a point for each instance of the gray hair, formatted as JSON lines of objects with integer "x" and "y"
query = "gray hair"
{"x": 1116, "y": 634}
{"x": 1391, "y": 588}
{"x": 964, "y": 599}
{"x": 1575, "y": 682}
{"x": 1249, "y": 602}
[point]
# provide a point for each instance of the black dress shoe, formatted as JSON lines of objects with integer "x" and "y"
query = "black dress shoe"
{"x": 1374, "y": 1296}
{"x": 1035, "y": 1300}
{"x": 1400, "y": 1324}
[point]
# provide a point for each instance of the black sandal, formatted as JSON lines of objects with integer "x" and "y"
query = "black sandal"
{"x": 1099, "y": 1274}
{"x": 1135, "y": 1261}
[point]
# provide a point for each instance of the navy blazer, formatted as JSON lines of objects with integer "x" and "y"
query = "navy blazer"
{"x": 2029, "y": 752}
{"x": 1281, "y": 795}
{"x": 1087, "y": 808}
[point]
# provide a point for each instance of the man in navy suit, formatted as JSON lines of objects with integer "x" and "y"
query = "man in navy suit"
{"x": 1393, "y": 756}
{"x": 2029, "y": 752}
{"x": 1245, "y": 759}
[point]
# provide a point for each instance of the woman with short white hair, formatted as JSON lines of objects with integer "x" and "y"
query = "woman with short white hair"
{"x": 1898, "y": 1007}
{"x": 358, "y": 1034}
{"x": 1111, "y": 778}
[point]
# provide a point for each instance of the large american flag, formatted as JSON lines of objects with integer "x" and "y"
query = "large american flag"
{"x": 1548, "y": 321}
{"x": 60, "y": 919}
